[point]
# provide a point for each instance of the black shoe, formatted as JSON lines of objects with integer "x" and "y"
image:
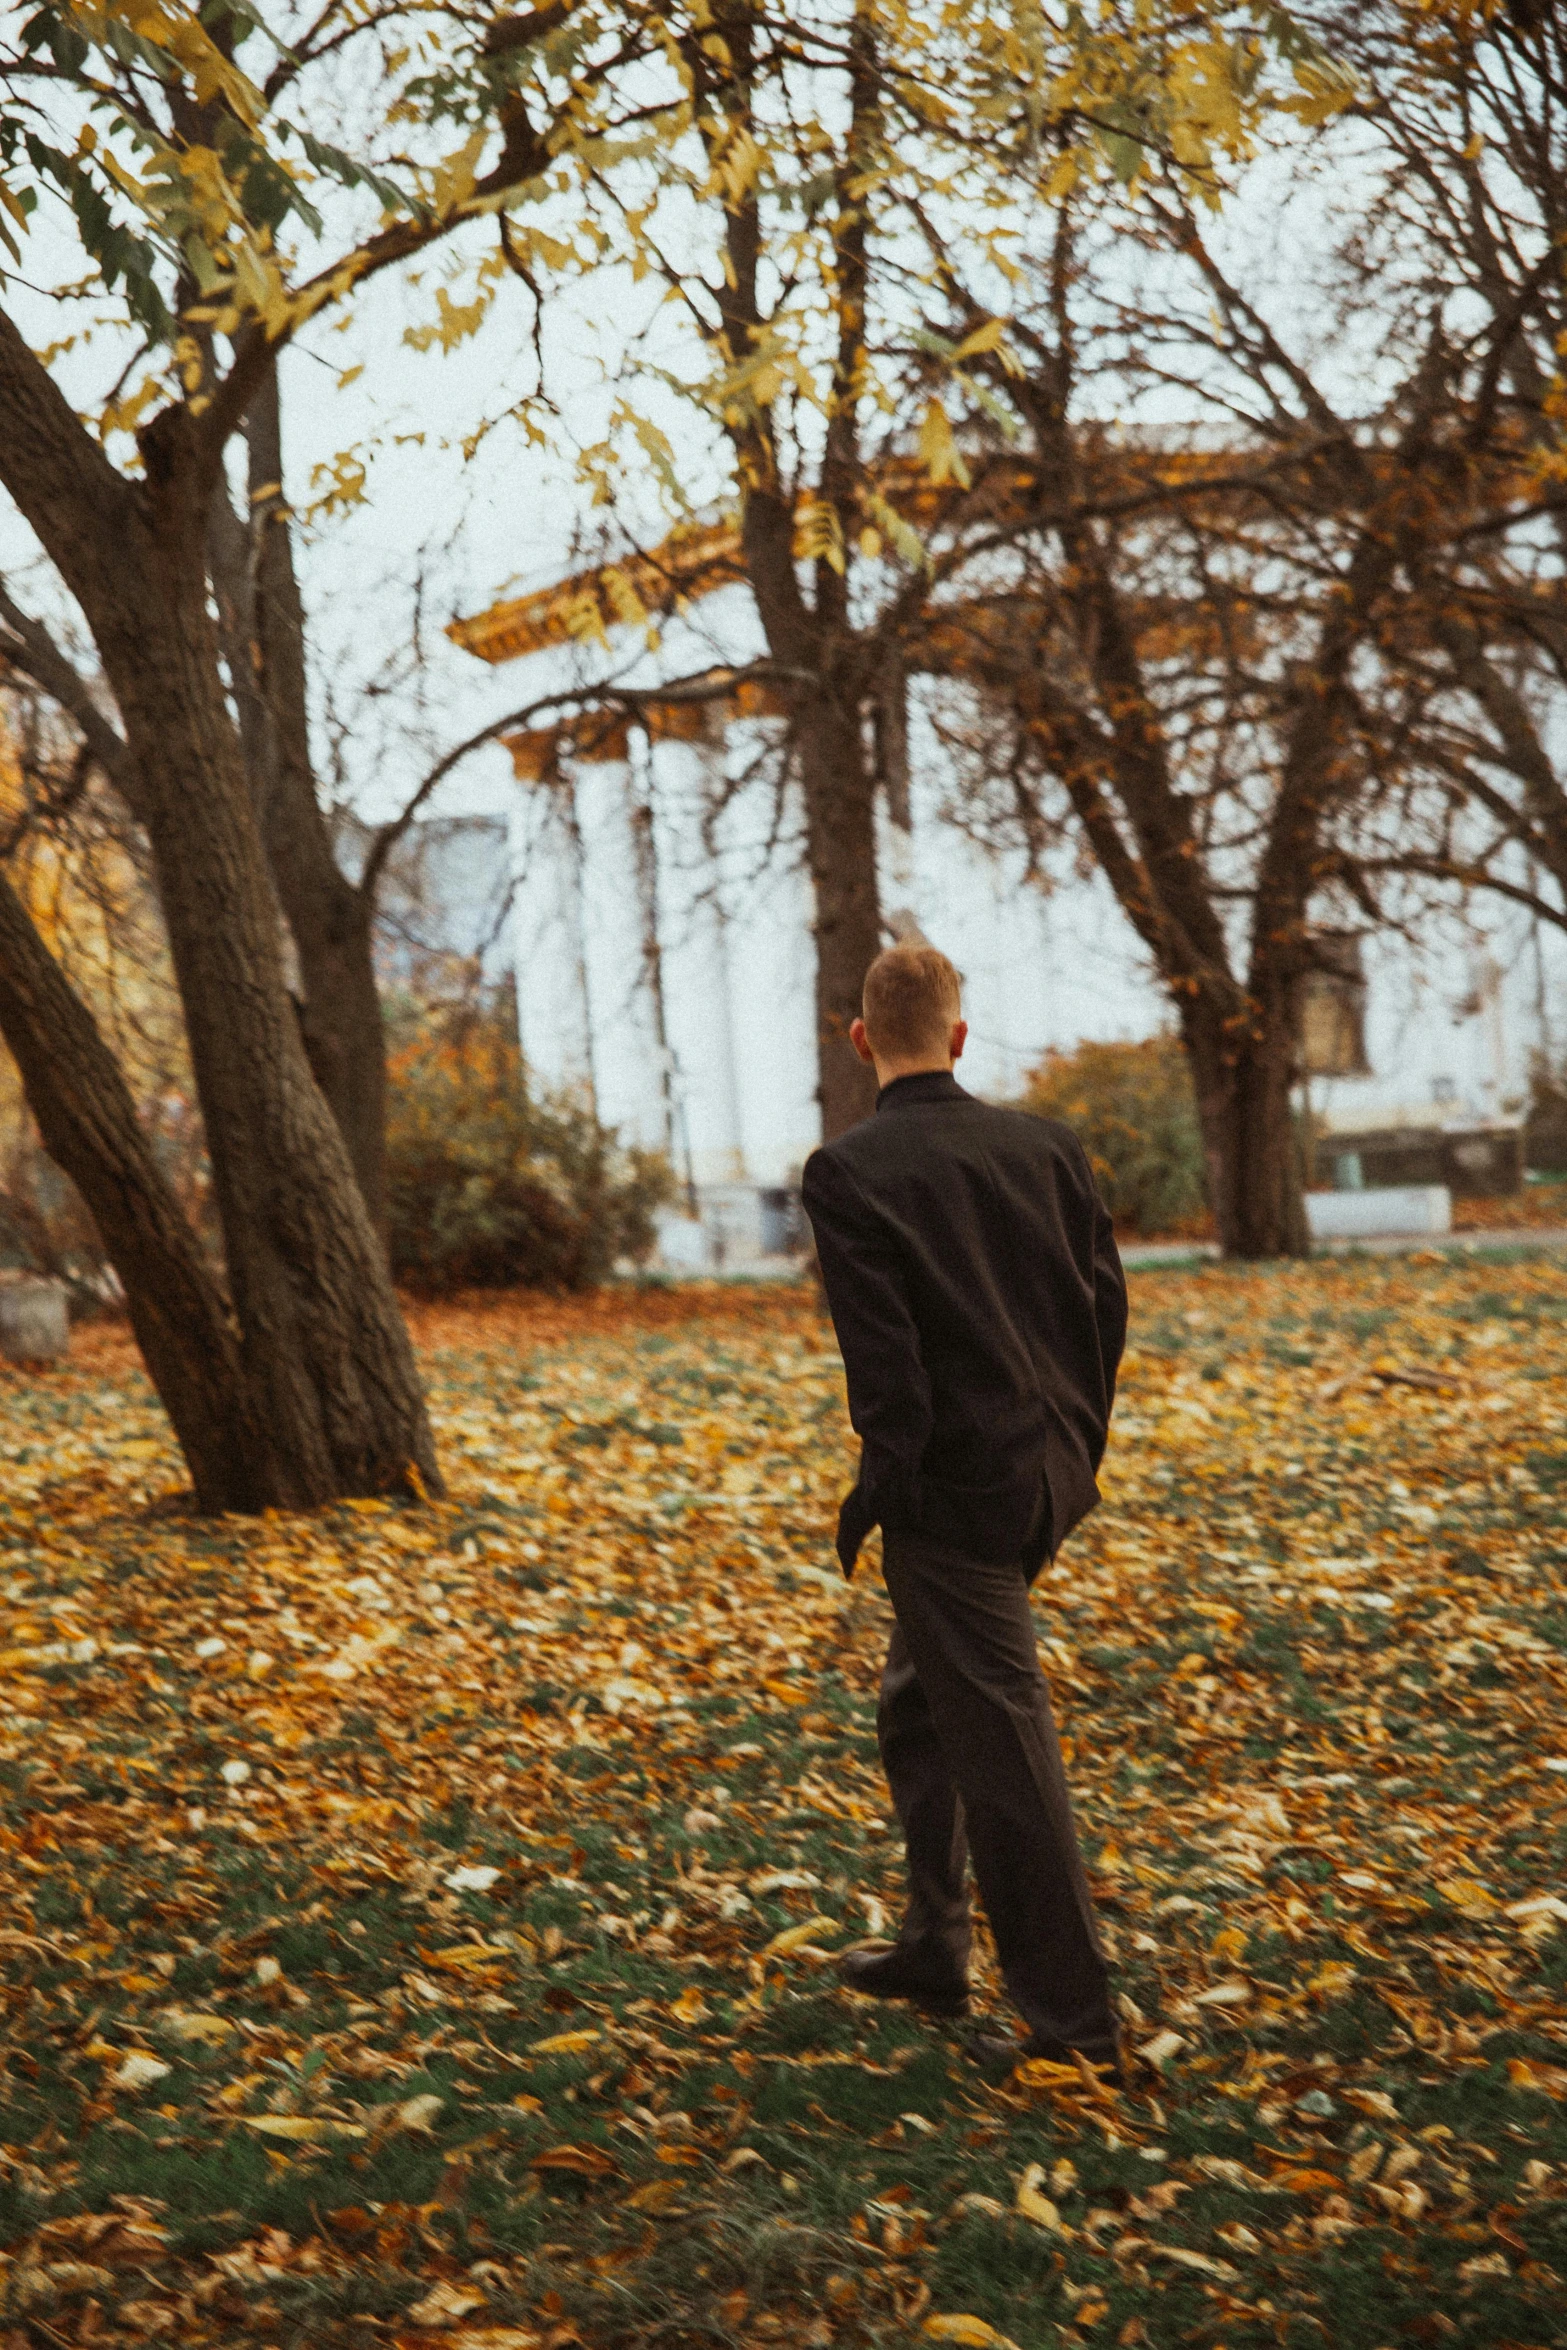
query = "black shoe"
{"x": 892, "y": 1970}
{"x": 999, "y": 2054}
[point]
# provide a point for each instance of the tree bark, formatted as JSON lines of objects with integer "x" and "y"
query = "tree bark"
{"x": 815, "y": 643}
{"x": 330, "y": 919}
{"x": 331, "y": 1391}
{"x": 90, "y": 1129}
{"x": 1111, "y": 758}
{"x": 1242, "y": 1073}
{"x": 840, "y": 824}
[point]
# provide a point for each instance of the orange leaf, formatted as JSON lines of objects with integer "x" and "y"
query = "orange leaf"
{"x": 587, "y": 2161}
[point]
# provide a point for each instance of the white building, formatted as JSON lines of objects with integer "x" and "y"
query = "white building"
{"x": 661, "y": 930}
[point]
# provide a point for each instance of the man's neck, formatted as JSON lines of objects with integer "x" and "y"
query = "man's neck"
{"x": 888, "y": 1072}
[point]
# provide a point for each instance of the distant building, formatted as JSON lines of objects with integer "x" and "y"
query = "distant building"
{"x": 445, "y": 895}
{"x": 661, "y": 928}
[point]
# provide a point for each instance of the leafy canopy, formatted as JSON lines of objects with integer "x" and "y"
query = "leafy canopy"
{"x": 187, "y": 152}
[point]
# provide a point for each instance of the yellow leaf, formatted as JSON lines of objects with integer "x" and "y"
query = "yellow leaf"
{"x": 1042, "y": 2072}
{"x": 443, "y": 2303}
{"x": 939, "y": 453}
{"x": 660, "y": 2195}
{"x": 1549, "y": 2079}
{"x": 493, "y": 2338}
{"x": 309, "y": 2129}
{"x": 1033, "y": 2202}
{"x": 565, "y": 2043}
{"x": 690, "y": 2007}
{"x": 795, "y": 1937}
{"x": 974, "y": 2333}
{"x": 197, "y": 2027}
{"x": 138, "y": 2071}
{"x": 452, "y": 181}
{"x": 1194, "y": 2260}
{"x": 984, "y": 338}
{"x": 1466, "y": 1894}
{"x": 459, "y": 1957}
{"x": 454, "y": 323}
{"x": 418, "y": 2113}
{"x": 586, "y": 2161}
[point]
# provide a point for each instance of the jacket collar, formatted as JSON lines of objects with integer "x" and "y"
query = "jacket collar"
{"x": 923, "y": 1085}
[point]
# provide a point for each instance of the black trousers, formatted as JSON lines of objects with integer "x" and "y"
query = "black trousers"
{"x": 969, "y": 1745}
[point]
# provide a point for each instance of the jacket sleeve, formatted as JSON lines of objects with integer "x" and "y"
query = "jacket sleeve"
{"x": 1109, "y": 1295}
{"x": 889, "y": 1390}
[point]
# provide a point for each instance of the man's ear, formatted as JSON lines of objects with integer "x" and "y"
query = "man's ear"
{"x": 959, "y": 1039}
{"x": 860, "y": 1041}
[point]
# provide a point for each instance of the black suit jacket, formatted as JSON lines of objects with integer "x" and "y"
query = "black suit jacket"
{"x": 981, "y": 1309}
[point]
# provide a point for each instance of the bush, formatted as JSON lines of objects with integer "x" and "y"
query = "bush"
{"x": 1133, "y": 1109}
{"x": 44, "y": 1227}
{"x": 490, "y": 1188}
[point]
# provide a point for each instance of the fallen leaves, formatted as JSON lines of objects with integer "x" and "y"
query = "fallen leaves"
{"x": 1231, "y": 1994}
{"x": 206, "y": 2030}
{"x": 472, "y": 1880}
{"x": 800, "y": 1937}
{"x": 1199, "y": 2261}
{"x": 443, "y": 2305}
{"x": 1159, "y": 2050}
{"x": 971, "y": 2333}
{"x": 420, "y": 2114}
{"x": 1034, "y": 2203}
{"x": 300, "y": 2129}
{"x": 588, "y": 2162}
{"x": 1549, "y": 2080}
{"x": 137, "y": 2071}
{"x": 468, "y": 1967}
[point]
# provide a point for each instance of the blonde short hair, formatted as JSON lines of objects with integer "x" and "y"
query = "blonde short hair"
{"x": 912, "y": 997}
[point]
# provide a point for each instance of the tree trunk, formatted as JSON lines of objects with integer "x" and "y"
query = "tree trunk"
{"x": 90, "y": 1129}
{"x": 840, "y": 824}
{"x": 330, "y": 920}
{"x": 332, "y": 1404}
{"x": 1242, "y": 1072}
{"x": 327, "y": 1359}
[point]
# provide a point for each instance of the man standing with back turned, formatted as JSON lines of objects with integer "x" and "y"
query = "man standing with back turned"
{"x": 981, "y": 1310}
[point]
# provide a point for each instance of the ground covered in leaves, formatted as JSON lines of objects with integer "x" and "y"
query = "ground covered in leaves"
{"x": 417, "y": 1923}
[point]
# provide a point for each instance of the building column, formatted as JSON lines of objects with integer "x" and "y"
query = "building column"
{"x": 554, "y": 1015}
{"x": 726, "y": 1040}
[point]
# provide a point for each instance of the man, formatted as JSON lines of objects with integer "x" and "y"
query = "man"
{"x": 980, "y": 1309}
